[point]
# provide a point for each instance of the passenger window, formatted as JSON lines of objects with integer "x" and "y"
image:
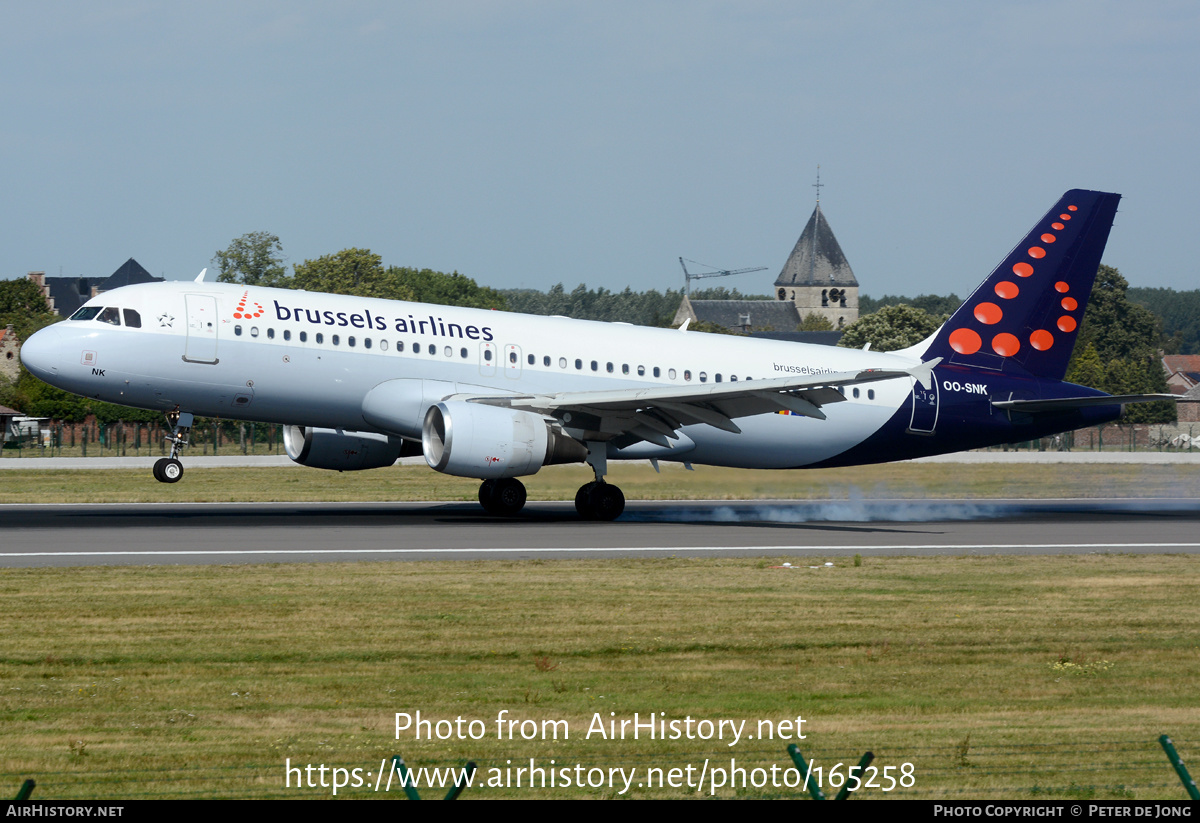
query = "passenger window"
{"x": 383, "y": 345}
{"x": 110, "y": 315}
{"x": 462, "y": 353}
{"x": 670, "y": 373}
{"x": 687, "y": 374}
{"x": 641, "y": 371}
{"x": 320, "y": 338}
{"x": 350, "y": 341}
{"x": 732, "y": 378}
{"x": 336, "y": 339}
{"x": 270, "y": 334}
{"x": 303, "y": 337}
{"x": 530, "y": 359}
{"x": 703, "y": 377}
{"x": 254, "y": 332}
{"x": 366, "y": 342}
{"x": 578, "y": 363}
{"x": 609, "y": 368}
{"x": 417, "y": 350}
{"x": 487, "y": 355}
{"x": 624, "y": 368}
{"x": 658, "y": 373}
{"x": 595, "y": 366}
{"x": 237, "y": 330}
{"x": 287, "y": 334}
{"x": 133, "y": 320}
{"x": 448, "y": 351}
{"x": 562, "y": 362}
{"x": 870, "y": 394}
{"x": 399, "y": 345}
{"x": 718, "y": 378}
{"x": 856, "y": 392}
{"x": 546, "y": 361}
{"x": 512, "y": 357}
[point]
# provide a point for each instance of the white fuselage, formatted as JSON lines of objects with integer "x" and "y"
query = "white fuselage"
{"x": 309, "y": 359}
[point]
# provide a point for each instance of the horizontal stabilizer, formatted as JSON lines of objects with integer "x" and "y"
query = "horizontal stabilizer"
{"x": 1068, "y": 403}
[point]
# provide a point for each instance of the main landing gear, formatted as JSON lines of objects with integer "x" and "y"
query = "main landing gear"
{"x": 505, "y": 497}
{"x": 599, "y": 500}
{"x": 170, "y": 469}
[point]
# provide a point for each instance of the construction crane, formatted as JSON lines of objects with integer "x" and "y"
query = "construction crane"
{"x": 688, "y": 277}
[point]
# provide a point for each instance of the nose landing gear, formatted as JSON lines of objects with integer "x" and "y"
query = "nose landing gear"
{"x": 170, "y": 469}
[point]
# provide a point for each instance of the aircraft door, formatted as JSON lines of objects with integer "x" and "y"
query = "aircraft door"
{"x": 488, "y": 355}
{"x": 925, "y": 407}
{"x": 512, "y": 361}
{"x": 201, "y": 346}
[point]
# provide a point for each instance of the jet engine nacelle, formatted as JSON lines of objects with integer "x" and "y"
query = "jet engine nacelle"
{"x": 476, "y": 440}
{"x": 340, "y": 450}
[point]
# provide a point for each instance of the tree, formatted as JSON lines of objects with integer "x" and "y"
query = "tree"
{"x": 1125, "y": 339}
{"x": 349, "y": 271}
{"x": 254, "y": 259}
{"x": 429, "y": 286}
{"x": 23, "y": 304}
{"x": 892, "y": 327}
{"x": 815, "y": 322}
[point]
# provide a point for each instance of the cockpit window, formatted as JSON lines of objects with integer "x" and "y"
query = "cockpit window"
{"x": 86, "y": 313}
{"x": 110, "y": 315}
{"x": 133, "y": 320}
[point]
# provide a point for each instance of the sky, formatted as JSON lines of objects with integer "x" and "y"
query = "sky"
{"x": 526, "y": 144}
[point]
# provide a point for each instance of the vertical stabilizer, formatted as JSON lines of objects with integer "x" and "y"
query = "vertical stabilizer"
{"x": 1028, "y": 311}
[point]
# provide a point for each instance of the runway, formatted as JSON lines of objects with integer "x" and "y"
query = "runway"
{"x": 223, "y": 533}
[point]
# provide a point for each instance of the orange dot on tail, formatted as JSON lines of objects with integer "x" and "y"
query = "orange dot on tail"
{"x": 1007, "y": 289}
{"x": 1057, "y": 226}
{"x": 1041, "y": 340}
{"x": 965, "y": 341}
{"x": 1005, "y": 344}
{"x": 1061, "y": 287}
{"x": 1022, "y": 270}
{"x": 1072, "y": 208}
{"x": 1066, "y": 323}
{"x": 988, "y": 313}
{"x": 1037, "y": 252}
{"x": 1069, "y": 304}
{"x": 1064, "y": 217}
{"x": 1048, "y": 238}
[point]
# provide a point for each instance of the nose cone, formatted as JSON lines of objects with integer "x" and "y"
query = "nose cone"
{"x": 41, "y": 354}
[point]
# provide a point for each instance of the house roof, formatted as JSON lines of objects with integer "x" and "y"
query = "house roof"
{"x": 69, "y": 293}
{"x": 778, "y": 314}
{"x": 817, "y": 259}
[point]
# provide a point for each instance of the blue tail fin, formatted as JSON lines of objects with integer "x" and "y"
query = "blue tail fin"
{"x": 1027, "y": 313}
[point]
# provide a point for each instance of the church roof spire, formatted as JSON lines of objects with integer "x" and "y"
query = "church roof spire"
{"x": 817, "y": 259}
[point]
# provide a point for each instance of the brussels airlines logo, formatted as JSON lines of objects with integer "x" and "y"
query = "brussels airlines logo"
{"x": 429, "y": 325}
{"x": 240, "y": 313}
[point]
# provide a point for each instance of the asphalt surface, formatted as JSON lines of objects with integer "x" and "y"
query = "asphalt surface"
{"x": 222, "y": 533}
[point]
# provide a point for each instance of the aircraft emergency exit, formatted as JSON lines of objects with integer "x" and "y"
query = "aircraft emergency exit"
{"x": 360, "y": 382}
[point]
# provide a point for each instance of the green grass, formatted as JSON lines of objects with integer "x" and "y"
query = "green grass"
{"x": 639, "y": 482}
{"x": 997, "y": 677}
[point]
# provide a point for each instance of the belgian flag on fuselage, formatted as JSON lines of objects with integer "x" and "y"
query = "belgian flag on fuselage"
{"x": 1026, "y": 315}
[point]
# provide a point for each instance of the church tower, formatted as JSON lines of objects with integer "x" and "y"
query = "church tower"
{"x": 816, "y": 276}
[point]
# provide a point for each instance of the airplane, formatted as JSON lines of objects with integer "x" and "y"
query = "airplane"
{"x": 360, "y": 382}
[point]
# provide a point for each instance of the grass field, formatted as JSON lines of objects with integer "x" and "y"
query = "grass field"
{"x": 638, "y": 480}
{"x": 994, "y": 677}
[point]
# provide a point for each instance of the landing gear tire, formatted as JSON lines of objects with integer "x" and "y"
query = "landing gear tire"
{"x": 168, "y": 470}
{"x": 599, "y": 501}
{"x": 504, "y": 497}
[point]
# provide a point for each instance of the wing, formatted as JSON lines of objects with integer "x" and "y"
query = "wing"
{"x": 656, "y": 413}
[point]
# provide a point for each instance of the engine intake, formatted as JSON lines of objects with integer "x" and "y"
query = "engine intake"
{"x": 475, "y": 440}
